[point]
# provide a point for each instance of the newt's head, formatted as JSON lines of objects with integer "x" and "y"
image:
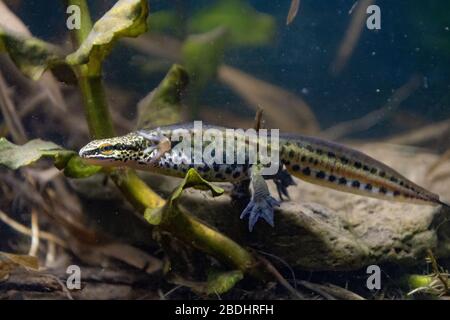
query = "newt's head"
{"x": 135, "y": 149}
{"x": 116, "y": 151}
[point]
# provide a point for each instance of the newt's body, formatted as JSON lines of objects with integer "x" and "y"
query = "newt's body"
{"x": 311, "y": 159}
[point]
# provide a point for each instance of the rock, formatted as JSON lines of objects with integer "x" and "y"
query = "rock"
{"x": 324, "y": 229}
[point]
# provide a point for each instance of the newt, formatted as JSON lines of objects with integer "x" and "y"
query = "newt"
{"x": 308, "y": 158}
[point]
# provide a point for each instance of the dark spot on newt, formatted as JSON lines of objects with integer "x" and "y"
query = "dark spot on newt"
{"x": 320, "y": 175}
{"x": 295, "y": 167}
{"x": 306, "y": 171}
{"x": 355, "y": 184}
{"x": 342, "y": 180}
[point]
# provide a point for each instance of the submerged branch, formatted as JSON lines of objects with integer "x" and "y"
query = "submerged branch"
{"x": 351, "y": 37}
{"x": 369, "y": 120}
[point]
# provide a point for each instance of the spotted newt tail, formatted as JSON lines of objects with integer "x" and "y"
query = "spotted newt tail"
{"x": 339, "y": 167}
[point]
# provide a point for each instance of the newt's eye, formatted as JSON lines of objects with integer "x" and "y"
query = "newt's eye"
{"x": 106, "y": 148}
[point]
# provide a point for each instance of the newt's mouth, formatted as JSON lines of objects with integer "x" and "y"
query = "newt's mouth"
{"x": 91, "y": 156}
{"x": 97, "y": 161}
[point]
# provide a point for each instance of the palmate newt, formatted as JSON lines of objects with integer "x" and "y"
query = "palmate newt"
{"x": 308, "y": 158}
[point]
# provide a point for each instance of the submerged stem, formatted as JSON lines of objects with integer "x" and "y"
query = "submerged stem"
{"x": 184, "y": 226}
{"x": 99, "y": 120}
{"x": 96, "y": 108}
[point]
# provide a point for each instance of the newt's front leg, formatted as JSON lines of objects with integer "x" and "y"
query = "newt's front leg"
{"x": 262, "y": 203}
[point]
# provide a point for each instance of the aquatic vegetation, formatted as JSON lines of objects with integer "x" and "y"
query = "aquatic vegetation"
{"x": 100, "y": 215}
{"x": 128, "y": 19}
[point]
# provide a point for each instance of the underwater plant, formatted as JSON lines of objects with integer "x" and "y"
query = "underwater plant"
{"x": 94, "y": 41}
{"x": 201, "y": 245}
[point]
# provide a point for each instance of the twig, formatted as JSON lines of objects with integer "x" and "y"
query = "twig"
{"x": 34, "y": 248}
{"x": 436, "y": 270}
{"x": 294, "y": 280}
{"x": 50, "y": 254}
{"x": 341, "y": 293}
{"x": 47, "y": 83}
{"x": 425, "y": 134}
{"x": 12, "y": 120}
{"x": 63, "y": 286}
{"x": 258, "y": 117}
{"x": 26, "y": 231}
{"x": 281, "y": 280}
{"x": 351, "y": 37}
{"x": 443, "y": 159}
{"x": 316, "y": 288}
{"x": 293, "y": 10}
{"x": 28, "y": 106}
{"x": 369, "y": 120}
{"x": 165, "y": 295}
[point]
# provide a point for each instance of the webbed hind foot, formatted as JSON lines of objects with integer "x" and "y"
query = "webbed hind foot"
{"x": 262, "y": 203}
{"x": 260, "y": 208}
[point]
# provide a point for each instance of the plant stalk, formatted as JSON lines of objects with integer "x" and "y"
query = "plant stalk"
{"x": 184, "y": 226}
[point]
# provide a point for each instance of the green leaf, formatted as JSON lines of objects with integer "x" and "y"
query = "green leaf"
{"x": 221, "y": 282}
{"x": 202, "y": 54}
{"x": 191, "y": 180}
{"x": 31, "y": 55}
{"x": 194, "y": 180}
{"x": 14, "y": 157}
{"x": 127, "y": 18}
{"x": 163, "y": 105}
{"x": 247, "y": 26}
{"x": 417, "y": 281}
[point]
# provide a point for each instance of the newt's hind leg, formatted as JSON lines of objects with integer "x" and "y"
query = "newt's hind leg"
{"x": 261, "y": 204}
{"x": 283, "y": 179}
